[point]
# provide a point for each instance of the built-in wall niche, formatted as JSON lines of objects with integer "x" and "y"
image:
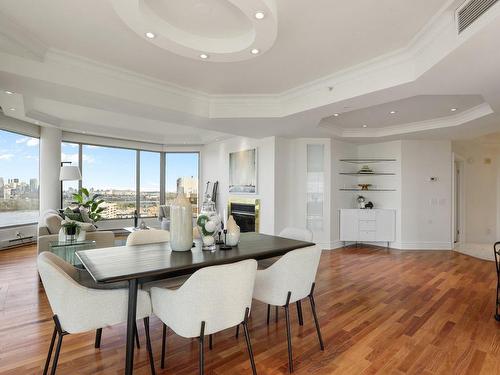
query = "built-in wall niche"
{"x": 376, "y": 174}
{"x": 315, "y": 187}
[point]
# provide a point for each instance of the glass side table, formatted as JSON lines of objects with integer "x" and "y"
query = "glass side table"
{"x": 66, "y": 250}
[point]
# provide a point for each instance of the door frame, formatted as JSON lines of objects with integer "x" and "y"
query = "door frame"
{"x": 460, "y": 161}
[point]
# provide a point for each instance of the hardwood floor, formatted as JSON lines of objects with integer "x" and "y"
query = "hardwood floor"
{"x": 384, "y": 312}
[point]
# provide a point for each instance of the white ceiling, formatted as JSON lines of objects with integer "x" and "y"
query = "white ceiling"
{"x": 78, "y": 66}
{"x": 409, "y": 110}
{"x": 209, "y": 18}
{"x": 315, "y": 38}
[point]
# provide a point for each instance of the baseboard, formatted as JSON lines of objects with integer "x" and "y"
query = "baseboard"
{"x": 401, "y": 245}
{"x": 331, "y": 245}
{"x": 424, "y": 246}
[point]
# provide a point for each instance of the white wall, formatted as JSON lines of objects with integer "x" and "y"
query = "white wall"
{"x": 423, "y": 208}
{"x": 426, "y": 206}
{"x": 215, "y": 167}
{"x": 282, "y": 172}
{"x": 481, "y": 190}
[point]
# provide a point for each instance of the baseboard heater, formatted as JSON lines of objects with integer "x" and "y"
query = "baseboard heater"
{"x": 21, "y": 241}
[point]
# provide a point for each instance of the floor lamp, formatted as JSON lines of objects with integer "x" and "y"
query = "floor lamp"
{"x": 68, "y": 173}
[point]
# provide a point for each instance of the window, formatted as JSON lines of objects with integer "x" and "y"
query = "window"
{"x": 110, "y": 172}
{"x": 19, "y": 157}
{"x": 149, "y": 197}
{"x": 182, "y": 170}
{"x": 69, "y": 154}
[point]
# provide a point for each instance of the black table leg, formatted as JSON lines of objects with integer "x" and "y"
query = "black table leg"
{"x": 132, "y": 309}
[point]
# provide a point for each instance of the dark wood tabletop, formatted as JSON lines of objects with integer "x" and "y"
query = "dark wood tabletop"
{"x": 153, "y": 260}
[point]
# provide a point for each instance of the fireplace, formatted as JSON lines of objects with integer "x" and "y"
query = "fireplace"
{"x": 246, "y": 213}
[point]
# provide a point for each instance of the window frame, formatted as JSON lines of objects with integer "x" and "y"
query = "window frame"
{"x": 30, "y": 135}
{"x": 162, "y": 171}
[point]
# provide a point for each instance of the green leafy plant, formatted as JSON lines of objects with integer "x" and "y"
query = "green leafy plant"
{"x": 91, "y": 202}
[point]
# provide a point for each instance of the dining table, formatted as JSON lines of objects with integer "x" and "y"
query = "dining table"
{"x": 144, "y": 263}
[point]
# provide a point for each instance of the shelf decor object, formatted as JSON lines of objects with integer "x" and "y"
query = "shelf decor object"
{"x": 368, "y": 174}
{"x": 364, "y": 186}
{"x": 365, "y": 169}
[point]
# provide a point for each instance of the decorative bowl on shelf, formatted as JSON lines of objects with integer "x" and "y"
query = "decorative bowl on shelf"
{"x": 364, "y": 186}
{"x": 365, "y": 169}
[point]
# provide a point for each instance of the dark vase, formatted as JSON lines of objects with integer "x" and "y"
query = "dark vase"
{"x": 71, "y": 231}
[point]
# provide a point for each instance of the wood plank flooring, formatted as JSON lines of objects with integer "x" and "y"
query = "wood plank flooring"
{"x": 381, "y": 312}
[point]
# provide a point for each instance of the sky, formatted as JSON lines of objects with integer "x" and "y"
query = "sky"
{"x": 112, "y": 168}
{"x": 18, "y": 156}
{"x": 103, "y": 167}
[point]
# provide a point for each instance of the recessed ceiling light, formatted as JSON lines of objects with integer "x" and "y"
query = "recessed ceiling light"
{"x": 392, "y": 112}
{"x": 150, "y": 35}
{"x": 12, "y": 109}
{"x": 9, "y": 92}
{"x": 259, "y": 15}
{"x": 336, "y": 114}
{"x": 255, "y": 51}
{"x": 365, "y": 126}
{"x": 453, "y": 109}
{"x": 203, "y": 56}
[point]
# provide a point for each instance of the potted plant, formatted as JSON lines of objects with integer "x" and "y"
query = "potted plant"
{"x": 91, "y": 202}
{"x": 71, "y": 229}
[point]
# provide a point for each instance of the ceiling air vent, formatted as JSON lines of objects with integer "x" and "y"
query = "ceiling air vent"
{"x": 468, "y": 13}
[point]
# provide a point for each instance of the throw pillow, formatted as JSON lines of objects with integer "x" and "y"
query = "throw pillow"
{"x": 70, "y": 214}
{"x": 85, "y": 215}
{"x": 53, "y": 223}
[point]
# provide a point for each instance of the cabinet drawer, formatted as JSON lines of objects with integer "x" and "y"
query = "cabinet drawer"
{"x": 367, "y": 235}
{"x": 367, "y": 214}
{"x": 370, "y": 225}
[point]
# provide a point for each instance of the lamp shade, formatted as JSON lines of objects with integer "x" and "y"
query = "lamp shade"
{"x": 70, "y": 173}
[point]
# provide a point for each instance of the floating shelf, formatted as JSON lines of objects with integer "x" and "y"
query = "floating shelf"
{"x": 357, "y": 189}
{"x": 365, "y": 161}
{"x": 367, "y": 174}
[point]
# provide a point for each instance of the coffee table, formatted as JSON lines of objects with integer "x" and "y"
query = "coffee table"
{"x": 66, "y": 250}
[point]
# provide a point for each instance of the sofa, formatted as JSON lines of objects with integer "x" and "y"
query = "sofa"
{"x": 49, "y": 226}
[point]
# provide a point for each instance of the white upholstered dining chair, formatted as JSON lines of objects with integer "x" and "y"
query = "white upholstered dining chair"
{"x": 142, "y": 237}
{"x": 299, "y": 234}
{"x": 152, "y": 236}
{"x": 211, "y": 300}
{"x": 288, "y": 280}
{"x": 80, "y": 309}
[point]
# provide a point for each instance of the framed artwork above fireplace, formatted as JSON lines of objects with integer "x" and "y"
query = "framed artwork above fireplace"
{"x": 243, "y": 172}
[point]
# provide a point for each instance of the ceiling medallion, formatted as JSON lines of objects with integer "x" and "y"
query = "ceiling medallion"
{"x": 225, "y": 30}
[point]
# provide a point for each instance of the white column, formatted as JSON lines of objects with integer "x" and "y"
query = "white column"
{"x": 50, "y": 165}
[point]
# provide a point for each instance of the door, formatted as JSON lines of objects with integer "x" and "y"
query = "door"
{"x": 456, "y": 231}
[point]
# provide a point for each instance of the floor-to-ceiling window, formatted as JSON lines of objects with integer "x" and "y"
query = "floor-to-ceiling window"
{"x": 19, "y": 166}
{"x": 149, "y": 184}
{"x": 111, "y": 173}
{"x": 129, "y": 179}
{"x": 182, "y": 171}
